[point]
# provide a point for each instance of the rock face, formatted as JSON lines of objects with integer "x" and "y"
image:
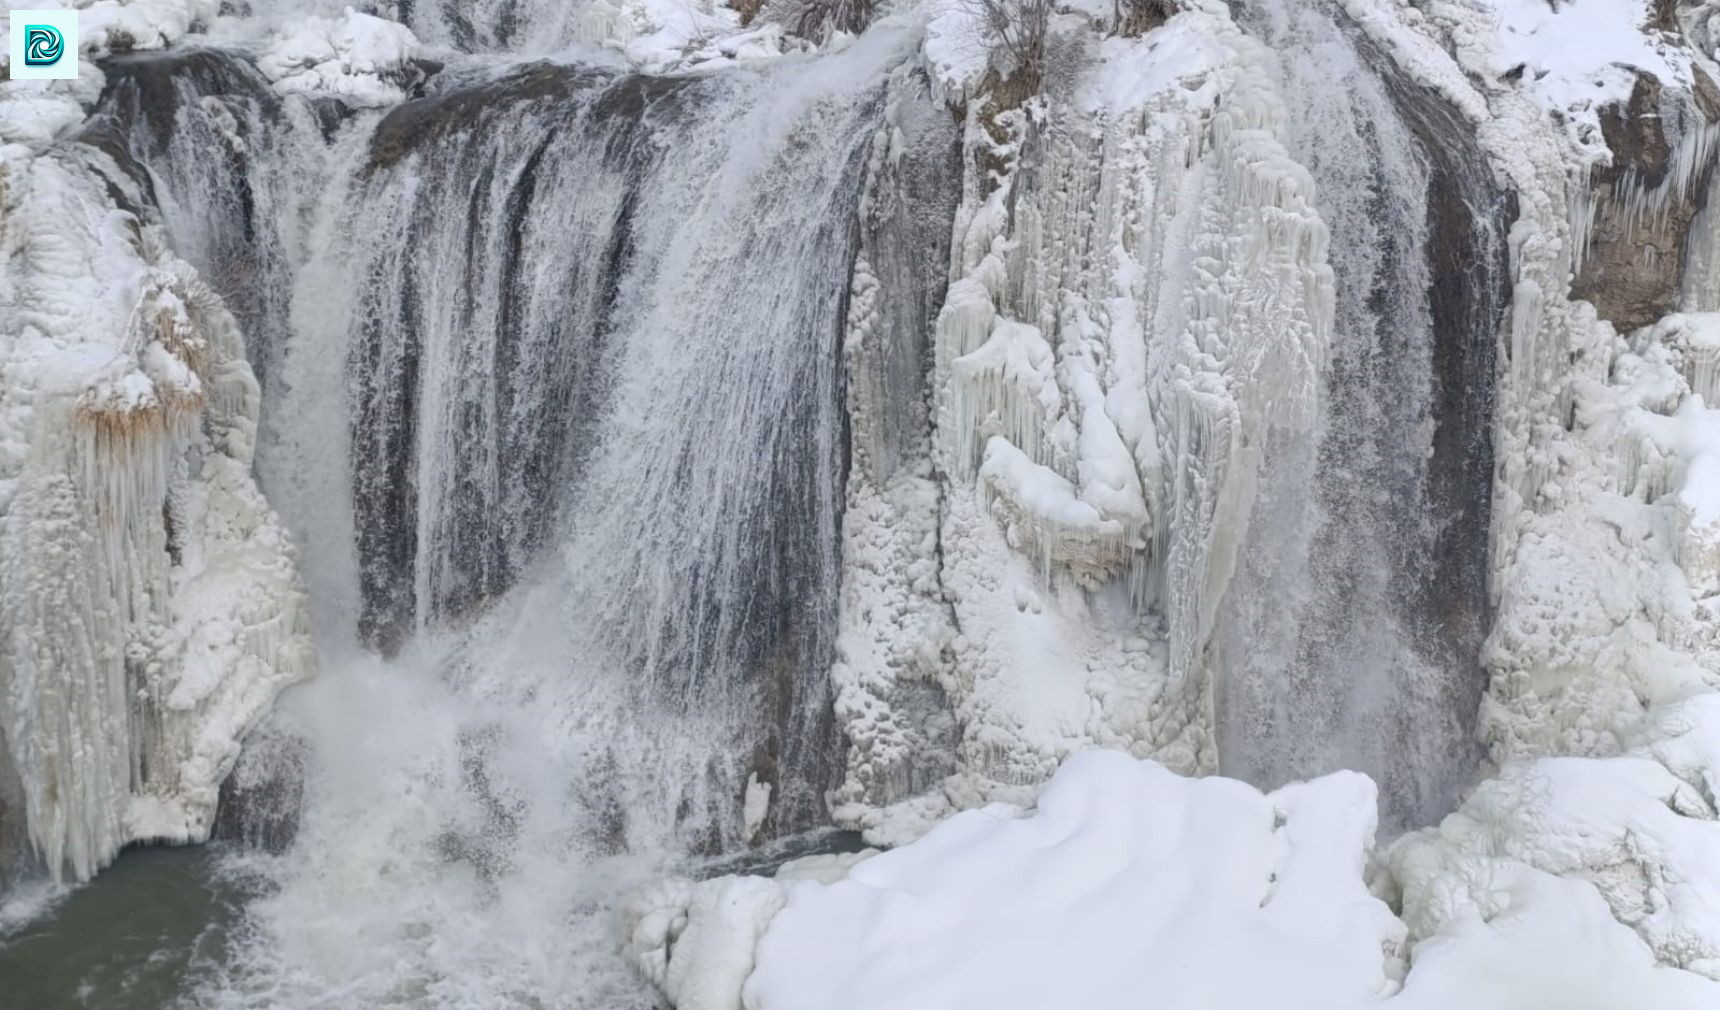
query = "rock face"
{"x": 1643, "y": 203}
{"x": 1468, "y": 218}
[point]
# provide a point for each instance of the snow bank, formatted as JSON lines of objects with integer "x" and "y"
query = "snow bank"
{"x": 1128, "y": 883}
{"x": 658, "y": 36}
{"x": 1126, "y": 880}
{"x": 117, "y": 26}
{"x": 1639, "y": 828}
{"x": 364, "y": 60}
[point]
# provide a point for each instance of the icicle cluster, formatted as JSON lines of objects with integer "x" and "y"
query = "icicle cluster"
{"x": 149, "y": 601}
{"x": 1140, "y": 298}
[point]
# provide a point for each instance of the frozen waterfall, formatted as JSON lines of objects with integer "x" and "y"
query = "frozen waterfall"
{"x": 1353, "y": 631}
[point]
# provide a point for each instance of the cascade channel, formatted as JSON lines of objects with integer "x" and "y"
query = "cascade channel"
{"x": 1352, "y": 633}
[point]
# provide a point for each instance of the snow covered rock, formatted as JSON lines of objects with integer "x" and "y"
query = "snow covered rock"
{"x": 117, "y": 26}
{"x": 363, "y": 59}
{"x": 660, "y": 36}
{"x": 1128, "y": 885}
{"x": 1640, "y": 828}
{"x": 1126, "y": 880}
{"x": 150, "y": 608}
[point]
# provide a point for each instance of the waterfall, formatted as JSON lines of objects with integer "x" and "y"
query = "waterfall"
{"x": 559, "y": 424}
{"x": 546, "y": 299}
{"x": 1354, "y": 627}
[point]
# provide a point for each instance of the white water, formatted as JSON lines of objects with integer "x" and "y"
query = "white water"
{"x": 590, "y": 664}
{"x": 1327, "y": 659}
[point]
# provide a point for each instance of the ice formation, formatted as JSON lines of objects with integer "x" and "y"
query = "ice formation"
{"x": 361, "y": 58}
{"x": 1578, "y": 869}
{"x": 149, "y": 598}
{"x": 1136, "y": 309}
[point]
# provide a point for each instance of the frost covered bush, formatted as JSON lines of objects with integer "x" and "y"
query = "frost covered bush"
{"x": 1016, "y": 30}
{"x": 819, "y": 20}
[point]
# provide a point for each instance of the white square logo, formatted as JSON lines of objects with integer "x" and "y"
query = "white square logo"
{"x": 44, "y": 45}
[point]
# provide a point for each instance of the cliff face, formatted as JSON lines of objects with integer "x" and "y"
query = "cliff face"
{"x": 1644, "y": 201}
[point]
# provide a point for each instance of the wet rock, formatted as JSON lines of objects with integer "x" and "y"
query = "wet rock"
{"x": 1634, "y": 263}
{"x": 263, "y": 798}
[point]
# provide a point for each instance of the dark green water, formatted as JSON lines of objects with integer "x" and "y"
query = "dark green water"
{"x": 130, "y": 940}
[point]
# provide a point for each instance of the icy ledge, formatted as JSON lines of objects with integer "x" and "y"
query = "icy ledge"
{"x": 364, "y": 60}
{"x": 1129, "y": 885}
{"x": 150, "y": 607}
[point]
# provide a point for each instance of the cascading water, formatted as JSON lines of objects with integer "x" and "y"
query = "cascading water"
{"x": 1354, "y": 625}
{"x": 585, "y": 403}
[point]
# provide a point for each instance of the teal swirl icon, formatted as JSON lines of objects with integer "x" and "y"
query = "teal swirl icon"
{"x": 43, "y": 45}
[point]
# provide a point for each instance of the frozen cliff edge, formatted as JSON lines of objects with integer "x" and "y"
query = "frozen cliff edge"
{"x": 150, "y": 605}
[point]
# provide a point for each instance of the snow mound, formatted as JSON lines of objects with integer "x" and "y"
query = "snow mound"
{"x": 1129, "y": 885}
{"x": 658, "y": 36}
{"x": 365, "y": 60}
{"x": 1639, "y": 827}
{"x": 1126, "y": 880}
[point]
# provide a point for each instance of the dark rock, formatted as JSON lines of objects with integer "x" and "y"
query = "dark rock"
{"x": 263, "y": 797}
{"x": 1632, "y": 270}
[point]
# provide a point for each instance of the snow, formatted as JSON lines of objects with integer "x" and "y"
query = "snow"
{"x": 365, "y": 60}
{"x": 149, "y": 598}
{"x": 1579, "y": 47}
{"x": 659, "y": 36}
{"x": 1126, "y": 880}
{"x": 113, "y": 26}
{"x": 955, "y": 50}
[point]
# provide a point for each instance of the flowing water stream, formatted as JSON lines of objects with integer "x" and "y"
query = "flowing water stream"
{"x": 584, "y": 401}
{"x": 1355, "y": 622}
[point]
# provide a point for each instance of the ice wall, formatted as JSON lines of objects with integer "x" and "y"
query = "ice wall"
{"x": 894, "y": 627}
{"x": 1597, "y": 717}
{"x": 149, "y": 598}
{"x": 1141, "y": 303}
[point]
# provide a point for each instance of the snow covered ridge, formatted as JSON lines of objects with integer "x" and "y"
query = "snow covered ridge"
{"x": 150, "y": 607}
